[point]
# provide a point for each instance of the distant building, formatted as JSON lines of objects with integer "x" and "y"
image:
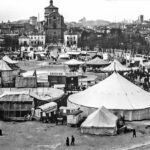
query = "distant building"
{"x": 141, "y": 18}
{"x": 54, "y": 24}
{"x": 16, "y": 28}
{"x": 40, "y": 26}
{"x": 37, "y": 39}
{"x": 33, "y": 20}
{"x": 70, "y": 40}
{"x": 32, "y": 40}
{"x": 11, "y": 28}
{"x": 24, "y": 40}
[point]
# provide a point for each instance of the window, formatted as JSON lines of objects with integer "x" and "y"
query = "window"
{"x": 54, "y": 17}
{"x": 54, "y": 25}
{"x": 49, "y": 20}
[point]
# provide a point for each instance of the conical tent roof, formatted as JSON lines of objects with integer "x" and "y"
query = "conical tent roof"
{"x": 73, "y": 62}
{"x": 4, "y": 66}
{"x": 116, "y": 66}
{"x": 115, "y": 92}
{"x": 97, "y": 61}
{"x": 8, "y": 60}
{"x": 100, "y": 118}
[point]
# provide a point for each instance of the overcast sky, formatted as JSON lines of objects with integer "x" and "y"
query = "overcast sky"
{"x": 73, "y": 10}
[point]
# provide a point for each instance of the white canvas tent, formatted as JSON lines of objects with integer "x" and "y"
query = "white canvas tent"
{"x": 8, "y": 60}
{"x": 97, "y": 62}
{"x": 73, "y": 62}
{"x": 116, "y": 66}
{"x": 4, "y": 66}
{"x": 117, "y": 94}
{"x": 64, "y": 56}
{"x": 100, "y": 122}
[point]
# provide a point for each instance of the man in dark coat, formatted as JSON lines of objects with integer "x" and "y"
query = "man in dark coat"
{"x": 134, "y": 133}
{"x": 67, "y": 141}
{"x": 1, "y": 132}
{"x": 72, "y": 140}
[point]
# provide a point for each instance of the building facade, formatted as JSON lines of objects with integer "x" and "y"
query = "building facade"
{"x": 40, "y": 27}
{"x": 37, "y": 39}
{"x": 54, "y": 25}
{"x": 1, "y": 40}
{"x": 141, "y": 18}
{"x": 32, "y": 40}
{"x": 24, "y": 40}
{"x": 33, "y": 20}
{"x": 71, "y": 40}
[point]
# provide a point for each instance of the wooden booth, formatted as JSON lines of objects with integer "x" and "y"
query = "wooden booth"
{"x": 70, "y": 80}
{"x": 75, "y": 118}
{"x": 15, "y": 105}
{"x": 46, "y": 112}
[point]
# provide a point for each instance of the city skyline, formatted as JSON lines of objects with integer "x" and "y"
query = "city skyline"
{"x": 74, "y": 10}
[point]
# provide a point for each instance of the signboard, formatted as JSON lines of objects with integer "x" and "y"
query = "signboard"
{"x": 63, "y": 74}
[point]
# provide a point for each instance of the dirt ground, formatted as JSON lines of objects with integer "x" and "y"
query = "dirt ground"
{"x": 38, "y": 136}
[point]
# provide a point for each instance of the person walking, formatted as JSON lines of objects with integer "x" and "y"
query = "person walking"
{"x": 72, "y": 140}
{"x": 1, "y": 132}
{"x": 67, "y": 141}
{"x": 134, "y": 133}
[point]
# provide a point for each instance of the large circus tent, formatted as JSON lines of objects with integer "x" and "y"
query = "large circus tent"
{"x": 116, "y": 94}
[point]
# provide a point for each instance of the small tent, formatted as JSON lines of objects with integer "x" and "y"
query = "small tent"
{"x": 73, "y": 62}
{"x": 8, "y": 60}
{"x": 64, "y": 56}
{"x": 4, "y": 66}
{"x": 100, "y": 122}
{"x": 97, "y": 62}
{"x": 116, "y": 66}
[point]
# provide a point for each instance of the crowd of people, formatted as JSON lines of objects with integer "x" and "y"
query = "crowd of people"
{"x": 140, "y": 77}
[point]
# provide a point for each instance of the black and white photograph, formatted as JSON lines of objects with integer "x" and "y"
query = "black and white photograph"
{"x": 75, "y": 75}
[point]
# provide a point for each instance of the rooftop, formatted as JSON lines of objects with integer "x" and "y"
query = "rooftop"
{"x": 51, "y": 6}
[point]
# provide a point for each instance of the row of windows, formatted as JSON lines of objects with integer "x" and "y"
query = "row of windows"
{"x": 71, "y": 38}
{"x": 36, "y": 42}
{"x": 32, "y": 42}
{"x": 36, "y": 37}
